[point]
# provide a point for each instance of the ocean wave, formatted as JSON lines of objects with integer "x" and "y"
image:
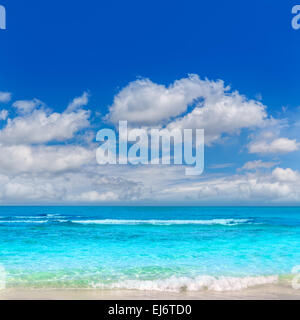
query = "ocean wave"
{"x": 23, "y": 217}
{"x": 41, "y": 218}
{"x": 200, "y": 283}
{"x": 230, "y": 222}
{"x": 34, "y": 221}
{"x": 52, "y": 215}
{"x": 64, "y": 219}
{"x": 23, "y": 221}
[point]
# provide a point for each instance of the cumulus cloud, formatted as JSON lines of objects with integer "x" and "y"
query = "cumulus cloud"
{"x": 78, "y": 102}
{"x": 35, "y": 124}
{"x": 5, "y": 96}
{"x": 223, "y": 113}
{"x": 27, "y": 106}
{"x": 30, "y": 191}
{"x": 279, "y": 186}
{"x": 168, "y": 184}
{"x": 45, "y": 158}
{"x": 3, "y": 114}
{"x": 280, "y": 145}
{"x": 42, "y": 126}
{"x": 17, "y": 159}
{"x": 215, "y": 107}
{"x": 143, "y": 102}
{"x": 61, "y": 177}
{"x": 287, "y": 175}
{"x": 87, "y": 184}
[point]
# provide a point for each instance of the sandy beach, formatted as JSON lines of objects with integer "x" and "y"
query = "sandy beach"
{"x": 269, "y": 292}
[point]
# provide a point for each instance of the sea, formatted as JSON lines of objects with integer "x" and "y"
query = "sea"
{"x": 154, "y": 248}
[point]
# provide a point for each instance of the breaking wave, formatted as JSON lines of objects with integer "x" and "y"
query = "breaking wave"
{"x": 56, "y": 218}
{"x": 200, "y": 283}
{"x": 166, "y": 222}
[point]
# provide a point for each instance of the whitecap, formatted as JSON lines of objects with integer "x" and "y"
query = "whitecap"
{"x": 177, "y": 284}
{"x": 229, "y": 222}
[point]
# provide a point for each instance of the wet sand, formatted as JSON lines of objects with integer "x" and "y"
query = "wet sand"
{"x": 267, "y": 292}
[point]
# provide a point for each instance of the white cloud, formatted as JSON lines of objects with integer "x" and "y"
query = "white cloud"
{"x": 36, "y": 125}
{"x": 94, "y": 196}
{"x": 29, "y": 191}
{"x": 254, "y": 187}
{"x": 27, "y": 106}
{"x": 257, "y": 164}
{"x": 223, "y": 113}
{"x": 92, "y": 183}
{"x": 86, "y": 184}
{"x": 5, "y": 96}
{"x": 42, "y": 126}
{"x": 78, "y": 102}
{"x": 286, "y": 175}
{"x": 280, "y": 145}
{"x": 3, "y": 114}
{"x": 19, "y": 159}
{"x": 143, "y": 102}
{"x": 31, "y": 171}
{"x": 218, "y": 110}
{"x": 221, "y": 165}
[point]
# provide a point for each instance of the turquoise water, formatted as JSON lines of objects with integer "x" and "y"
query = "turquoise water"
{"x": 148, "y": 248}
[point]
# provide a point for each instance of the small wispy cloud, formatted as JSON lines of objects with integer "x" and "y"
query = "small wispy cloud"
{"x": 258, "y": 164}
{"x": 27, "y": 106}
{"x": 221, "y": 166}
{"x": 78, "y": 102}
{"x": 3, "y": 114}
{"x": 5, "y": 96}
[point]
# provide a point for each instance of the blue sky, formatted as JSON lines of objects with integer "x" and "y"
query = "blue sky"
{"x": 54, "y": 51}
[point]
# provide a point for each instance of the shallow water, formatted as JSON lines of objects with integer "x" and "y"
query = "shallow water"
{"x": 148, "y": 248}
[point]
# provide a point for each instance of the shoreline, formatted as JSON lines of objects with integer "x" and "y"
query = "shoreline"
{"x": 266, "y": 292}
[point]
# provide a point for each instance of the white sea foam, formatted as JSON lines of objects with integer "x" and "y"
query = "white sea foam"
{"x": 28, "y": 217}
{"x": 33, "y": 219}
{"x": 24, "y": 217}
{"x": 23, "y": 221}
{"x": 177, "y": 284}
{"x": 230, "y": 222}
